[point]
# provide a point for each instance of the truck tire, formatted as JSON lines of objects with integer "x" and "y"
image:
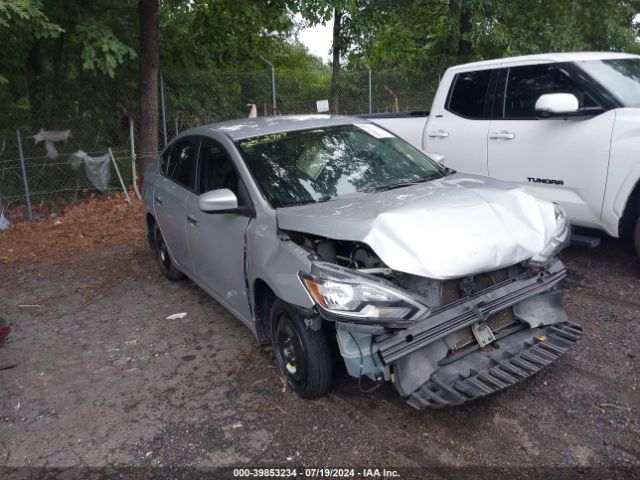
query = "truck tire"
{"x": 636, "y": 236}
{"x": 302, "y": 353}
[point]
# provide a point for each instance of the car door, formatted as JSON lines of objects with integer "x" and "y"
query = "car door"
{"x": 175, "y": 183}
{"x": 562, "y": 159}
{"x": 217, "y": 240}
{"x": 457, "y": 129}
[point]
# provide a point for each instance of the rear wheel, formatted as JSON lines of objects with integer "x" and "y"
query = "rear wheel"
{"x": 636, "y": 236}
{"x": 164, "y": 259}
{"x": 302, "y": 353}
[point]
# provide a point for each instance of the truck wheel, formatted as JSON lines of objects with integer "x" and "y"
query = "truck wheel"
{"x": 167, "y": 267}
{"x": 302, "y": 353}
{"x": 636, "y": 236}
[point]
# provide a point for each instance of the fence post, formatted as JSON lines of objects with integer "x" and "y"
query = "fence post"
{"x": 24, "y": 175}
{"x": 273, "y": 83}
{"x": 115, "y": 165}
{"x": 370, "y": 98}
{"x": 164, "y": 115}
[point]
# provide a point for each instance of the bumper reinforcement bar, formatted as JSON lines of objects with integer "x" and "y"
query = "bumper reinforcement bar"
{"x": 504, "y": 368}
{"x": 467, "y": 311}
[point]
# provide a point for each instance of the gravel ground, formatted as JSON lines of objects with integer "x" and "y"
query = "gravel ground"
{"x": 100, "y": 377}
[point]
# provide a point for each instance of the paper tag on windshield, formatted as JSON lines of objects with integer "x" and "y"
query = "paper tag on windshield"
{"x": 312, "y": 162}
{"x": 374, "y": 130}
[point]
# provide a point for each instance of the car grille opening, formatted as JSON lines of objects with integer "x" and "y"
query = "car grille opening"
{"x": 497, "y": 322}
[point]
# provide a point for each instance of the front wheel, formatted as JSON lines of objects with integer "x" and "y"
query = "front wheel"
{"x": 302, "y": 353}
{"x": 636, "y": 236}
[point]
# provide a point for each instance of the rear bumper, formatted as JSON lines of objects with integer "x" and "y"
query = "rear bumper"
{"x": 513, "y": 359}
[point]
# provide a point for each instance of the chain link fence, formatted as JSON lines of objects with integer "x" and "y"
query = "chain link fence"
{"x": 190, "y": 99}
{"x": 67, "y": 130}
{"x": 42, "y": 171}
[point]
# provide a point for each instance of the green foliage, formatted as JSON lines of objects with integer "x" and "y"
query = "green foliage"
{"x": 73, "y": 60}
{"x": 222, "y": 33}
{"x": 425, "y": 34}
{"x": 102, "y": 51}
{"x": 27, "y": 15}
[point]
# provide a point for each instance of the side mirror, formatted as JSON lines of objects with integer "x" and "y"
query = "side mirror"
{"x": 221, "y": 200}
{"x": 557, "y": 104}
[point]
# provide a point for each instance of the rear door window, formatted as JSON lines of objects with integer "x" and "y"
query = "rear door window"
{"x": 469, "y": 94}
{"x": 181, "y": 167}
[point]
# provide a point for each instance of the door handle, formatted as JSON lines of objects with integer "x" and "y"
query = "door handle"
{"x": 192, "y": 220}
{"x": 503, "y": 135}
{"x": 158, "y": 200}
{"x": 439, "y": 134}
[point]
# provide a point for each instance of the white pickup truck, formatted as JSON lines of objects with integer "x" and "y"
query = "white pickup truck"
{"x": 564, "y": 125}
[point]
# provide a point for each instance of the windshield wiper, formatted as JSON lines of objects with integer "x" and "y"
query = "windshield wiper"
{"x": 405, "y": 183}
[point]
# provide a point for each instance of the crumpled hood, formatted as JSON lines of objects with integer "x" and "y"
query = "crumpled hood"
{"x": 453, "y": 227}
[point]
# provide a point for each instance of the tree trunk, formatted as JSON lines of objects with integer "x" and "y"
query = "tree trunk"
{"x": 464, "y": 45}
{"x": 149, "y": 69}
{"x": 452, "y": 29}
{"x": 337, "y": 47}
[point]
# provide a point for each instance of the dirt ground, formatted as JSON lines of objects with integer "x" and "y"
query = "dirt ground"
{"x": 93, "y": 373}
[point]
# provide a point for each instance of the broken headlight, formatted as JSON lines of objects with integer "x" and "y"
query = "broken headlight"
{"x": 362, "y": 297}
{"x": 559, "y": 239}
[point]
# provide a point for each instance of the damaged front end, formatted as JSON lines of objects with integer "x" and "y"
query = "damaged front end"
{"x": 441, "y": 342}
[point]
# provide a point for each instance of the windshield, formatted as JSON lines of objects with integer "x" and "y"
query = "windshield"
{"x": 621, "y": 77}
{"x": 320, "y": 164}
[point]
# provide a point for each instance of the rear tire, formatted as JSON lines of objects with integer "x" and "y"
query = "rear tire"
{"x": 167, "y": 266}
{"x": 636, "y": 236}
{"x": 302, "y": 353}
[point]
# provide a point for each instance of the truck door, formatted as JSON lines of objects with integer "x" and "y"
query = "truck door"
{"x": 562, "y": 159}
{"x": 459, "y": 120}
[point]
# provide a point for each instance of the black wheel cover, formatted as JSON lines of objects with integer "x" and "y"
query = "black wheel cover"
{"x": 290, "y": 351}
{"x": 163, "y": 253}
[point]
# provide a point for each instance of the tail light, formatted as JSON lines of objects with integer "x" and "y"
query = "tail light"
{"x": 140, "y": 181}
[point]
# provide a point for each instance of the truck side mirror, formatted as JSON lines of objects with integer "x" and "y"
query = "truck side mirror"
{"x": 557, "y": 104}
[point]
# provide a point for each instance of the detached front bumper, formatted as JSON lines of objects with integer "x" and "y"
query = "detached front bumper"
{"x": 431, "y": 371}
{"x": 512, "y": 359}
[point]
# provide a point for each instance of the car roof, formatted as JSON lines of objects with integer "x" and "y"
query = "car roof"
{"x": 255, "y": 127}
{"x": 545, "y": 58}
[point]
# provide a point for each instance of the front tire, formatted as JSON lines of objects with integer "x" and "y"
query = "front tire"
{"x": 636, "y": 236}
{"x": 167, "y": 266}
{"x": 302, "y": 353}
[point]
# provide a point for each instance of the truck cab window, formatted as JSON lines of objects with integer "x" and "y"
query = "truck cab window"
{"x": 526, "y": 84}
{"x": 469, "y": 93}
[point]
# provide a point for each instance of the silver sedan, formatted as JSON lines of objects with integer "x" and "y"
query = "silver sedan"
{"x": 328, "y": 234}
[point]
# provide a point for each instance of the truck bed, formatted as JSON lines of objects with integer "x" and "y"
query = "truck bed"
{"x": 406, "y": 125}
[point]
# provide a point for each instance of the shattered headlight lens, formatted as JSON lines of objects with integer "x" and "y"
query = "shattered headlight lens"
{"x": 560, "y": 239}
{"x": 360, "y": 297}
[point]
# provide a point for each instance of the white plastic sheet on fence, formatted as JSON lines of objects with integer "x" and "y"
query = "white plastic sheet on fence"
{"x": 4, "y": 222}
{"x": 97, "y": 169}
{"x": 49, "y": 137}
